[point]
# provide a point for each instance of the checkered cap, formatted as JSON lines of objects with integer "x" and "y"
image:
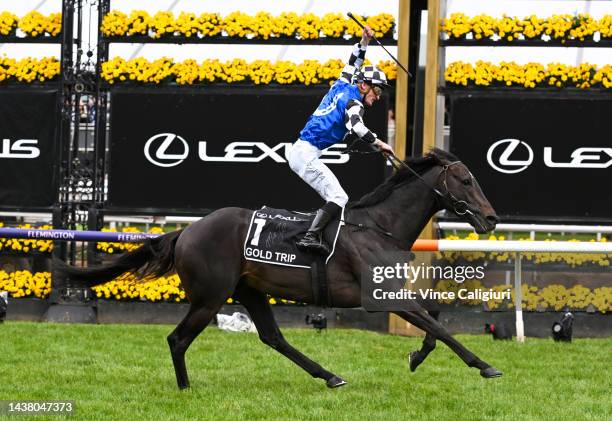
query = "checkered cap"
{"x": 372, "y": 75}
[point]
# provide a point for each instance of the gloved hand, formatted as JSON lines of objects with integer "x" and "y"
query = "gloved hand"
{"x": 383, "y": 147}
{"x": 367, "y": 36}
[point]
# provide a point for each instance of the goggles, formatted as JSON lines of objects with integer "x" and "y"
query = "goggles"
{"x": 377, "y": 90}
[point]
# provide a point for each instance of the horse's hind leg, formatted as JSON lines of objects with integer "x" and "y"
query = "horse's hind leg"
{"x": 187, "y": 330}
{"x": 430, "y": 325}
{"x": 269, "y": 333}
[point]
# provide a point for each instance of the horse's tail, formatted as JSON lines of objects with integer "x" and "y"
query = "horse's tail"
{"x": 155, "y": 258}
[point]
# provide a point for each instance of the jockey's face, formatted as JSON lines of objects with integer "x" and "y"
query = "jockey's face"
{"x": 370, "y": 93}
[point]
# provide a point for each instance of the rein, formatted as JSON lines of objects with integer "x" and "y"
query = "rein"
{"x": 460, "y": 207}
{"x": 377, "y": 229}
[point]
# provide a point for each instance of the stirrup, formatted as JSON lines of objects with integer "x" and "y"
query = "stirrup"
{"x": 313, "y": 244}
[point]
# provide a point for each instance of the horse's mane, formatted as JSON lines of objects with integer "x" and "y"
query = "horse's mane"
{"x": 403, "y": 175}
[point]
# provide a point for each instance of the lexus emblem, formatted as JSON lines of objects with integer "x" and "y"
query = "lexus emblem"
{"x": 502, "y": 162}
{"x": 156, "y": 150}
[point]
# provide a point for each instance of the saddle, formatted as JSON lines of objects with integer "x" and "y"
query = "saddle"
{"x": 272, "y": 236}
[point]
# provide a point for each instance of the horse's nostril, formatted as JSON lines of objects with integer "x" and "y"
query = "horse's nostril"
{"x": 494, "y": 219}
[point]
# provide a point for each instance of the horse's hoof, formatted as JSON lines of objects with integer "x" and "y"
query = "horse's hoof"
{"x": 335, "y": 382}
{"x": 413, "y": 360}
{"x": 490, "y": 372}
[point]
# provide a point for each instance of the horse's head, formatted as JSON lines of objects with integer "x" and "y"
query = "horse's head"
{"x": 462, "y": 195}
{"x": 453, "y": 185}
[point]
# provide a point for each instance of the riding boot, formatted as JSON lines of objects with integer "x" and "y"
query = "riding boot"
{"x": 313, "y": 240}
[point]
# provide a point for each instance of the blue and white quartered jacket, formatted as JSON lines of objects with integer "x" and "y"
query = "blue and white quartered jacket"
{"x": 340, "y": 110}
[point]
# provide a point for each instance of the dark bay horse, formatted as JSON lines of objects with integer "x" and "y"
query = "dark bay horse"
{"x": 208, "y": 257}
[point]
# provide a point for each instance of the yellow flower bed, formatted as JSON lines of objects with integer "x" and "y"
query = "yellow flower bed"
{"x": 552, "y": 297}
{"x": 530, "y": 75}
{"x": 23, "y": 283}
{"x": 8, "y": 23}
{"x": 25, "y": 246}
{"x": 29, "y": 69}
{"x": 558, "y": 297}
{"x": 190, "y": 72}
{"x": 571, "y": 259}
{"x": 111, "y": 247}
{"x": 557, "y": 27}
{"x": 33, "y": 24}
{"x": 237, "y": 24}
{"x": 168, "y": 288}
{"x": 126, "y": 287}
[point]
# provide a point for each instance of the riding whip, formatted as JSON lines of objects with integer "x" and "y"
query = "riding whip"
{"x": 350, "y": 15}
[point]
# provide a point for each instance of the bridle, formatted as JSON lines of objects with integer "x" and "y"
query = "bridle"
{"x": 460, "y": 207}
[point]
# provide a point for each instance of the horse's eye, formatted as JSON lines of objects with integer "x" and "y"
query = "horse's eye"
{"x": 467, "y": 181}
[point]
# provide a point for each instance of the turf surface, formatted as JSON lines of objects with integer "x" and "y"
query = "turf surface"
{"x": 125, "y": 372}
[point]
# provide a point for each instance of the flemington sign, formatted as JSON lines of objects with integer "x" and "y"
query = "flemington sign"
{"x": 68, "y": 235}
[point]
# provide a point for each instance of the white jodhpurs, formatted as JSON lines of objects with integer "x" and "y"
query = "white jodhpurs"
{"x": 304, "y": 160}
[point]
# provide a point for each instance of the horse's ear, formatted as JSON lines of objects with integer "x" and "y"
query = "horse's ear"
{"x": 442, "y": 157}
{"x": 437, "y": 157}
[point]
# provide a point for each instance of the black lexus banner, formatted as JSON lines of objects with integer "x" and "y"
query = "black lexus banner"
{"x": 28, "y": 148}
{"x": 225, "y": 146}
{"x": 538, "y": 158}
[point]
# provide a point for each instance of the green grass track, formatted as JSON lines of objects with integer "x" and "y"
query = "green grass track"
{"x": 124, "y": 372}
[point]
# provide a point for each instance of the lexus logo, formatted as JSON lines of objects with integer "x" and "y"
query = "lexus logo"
{"x": 502, "y": 162}
{"x": 500, "y": 153}
{"x": 156, "y": 150}
{"x": 157, "y": 147}
{"x": 22, "y": 148}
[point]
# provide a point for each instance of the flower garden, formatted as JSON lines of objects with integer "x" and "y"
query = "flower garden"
{"x": 189, "y": 72}
{"x": 309, "y": 72}
{"x": 29, "y": 69}
{"x": 531, "y": 75}
{"x": 553, "y": 297}
{"x": 562, "y": 28}
{"x": 237, "y": 24}
{"x": 117, "y": 25}
{"x": 168, "y": 289}
{"x": 553, "y": 30}
{"x": 263, "y": 26}
{"x": 33, "y": 24}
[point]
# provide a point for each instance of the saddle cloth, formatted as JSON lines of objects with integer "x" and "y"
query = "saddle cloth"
{"x": 273, "y": 233}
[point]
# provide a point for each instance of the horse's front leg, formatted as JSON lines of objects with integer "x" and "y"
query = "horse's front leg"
{"x": 415, "y": 358}
{"x": 425, "y": 322}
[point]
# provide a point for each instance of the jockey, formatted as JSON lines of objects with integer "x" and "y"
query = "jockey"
{"x": 340, "y": 111}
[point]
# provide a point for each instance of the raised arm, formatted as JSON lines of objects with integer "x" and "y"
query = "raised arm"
{"x": 357, "y": 56}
